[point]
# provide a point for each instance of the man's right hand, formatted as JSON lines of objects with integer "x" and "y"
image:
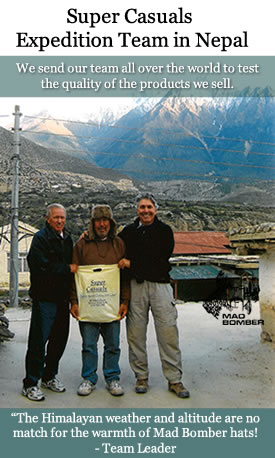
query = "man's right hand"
{"x": 73, "y": 268}
{"x": 84, "y": 234}
{"x": 75, "y": 311}
{"x": 124, "y": 262}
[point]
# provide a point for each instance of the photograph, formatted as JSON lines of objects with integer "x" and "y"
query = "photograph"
{"x": 203, "y": 169}
{"x": 137, "y": 228}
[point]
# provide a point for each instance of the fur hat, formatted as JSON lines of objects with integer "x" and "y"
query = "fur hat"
{"x": 102, "y": 211}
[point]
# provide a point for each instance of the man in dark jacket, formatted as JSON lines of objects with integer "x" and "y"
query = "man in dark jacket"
{"x": 51, "y": 268}
{"x": 149, "y": 245}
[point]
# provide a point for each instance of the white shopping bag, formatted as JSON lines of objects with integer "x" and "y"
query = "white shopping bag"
{"x": 98, "y": 293}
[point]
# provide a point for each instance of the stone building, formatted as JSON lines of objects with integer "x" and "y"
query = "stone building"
{"x": 204, "y": 267}
{"x": 260, "y": 240}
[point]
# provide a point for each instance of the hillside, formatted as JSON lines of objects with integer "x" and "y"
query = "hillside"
{"x": 36, "y": 158}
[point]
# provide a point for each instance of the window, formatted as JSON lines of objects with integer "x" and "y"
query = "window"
{"x": 22, "y": 262}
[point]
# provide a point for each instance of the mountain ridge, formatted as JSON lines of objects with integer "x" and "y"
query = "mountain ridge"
{"x": 181, "y": 148}
{"x": 215, "y": 137}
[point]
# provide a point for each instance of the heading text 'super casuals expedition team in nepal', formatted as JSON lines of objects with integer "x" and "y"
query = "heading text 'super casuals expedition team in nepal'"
{"x": 141, "y": 251}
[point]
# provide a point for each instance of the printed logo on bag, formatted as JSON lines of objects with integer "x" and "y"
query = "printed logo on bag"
{"x": 97, "y": 287}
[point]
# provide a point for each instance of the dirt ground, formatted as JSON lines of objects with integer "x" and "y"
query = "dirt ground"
{"x": 225, "y": 366}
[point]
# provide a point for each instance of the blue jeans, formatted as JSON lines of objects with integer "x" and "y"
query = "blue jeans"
{"x": 90, "y": 333}
{"x": 48, "y": 337}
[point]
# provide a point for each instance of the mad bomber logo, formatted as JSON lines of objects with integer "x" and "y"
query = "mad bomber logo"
{"x": 230, "y": 317}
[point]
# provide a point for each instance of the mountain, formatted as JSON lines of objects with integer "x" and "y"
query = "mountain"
{"x": 48, "y": 175}
{"x": 180, "y": 138}
{"x": 78, "y": 137}
{"x": 38, "y": 158}
{"x": 180, "y": 148}
{"x": 174, "y": 138}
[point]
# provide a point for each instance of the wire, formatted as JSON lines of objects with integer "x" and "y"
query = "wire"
{"x": 143, "y": 156}
{"x": 145, "y": 172}
{"x": 149, "y": 144}
{"x": 139, "y": 172}
{"x": 90, "y": 123}
{"x": 161, "y": 158}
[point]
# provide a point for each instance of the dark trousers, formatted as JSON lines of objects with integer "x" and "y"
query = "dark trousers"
{"x": 48, "y": 337}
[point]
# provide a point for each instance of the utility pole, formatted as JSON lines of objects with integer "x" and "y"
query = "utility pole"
{"x": 14, "y": 212}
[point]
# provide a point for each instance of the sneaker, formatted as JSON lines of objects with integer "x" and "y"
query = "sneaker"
{"x": 179, "y": 390}
{"x": 4, "y": 321}
{"x": 54, "y": 385}
{"x": 85, "y": 388}
{"x": 141, "y": 385}
{"x": 5, "y": 333}
{"x": 115, "y": 388}
{"x": 33, "y": 393}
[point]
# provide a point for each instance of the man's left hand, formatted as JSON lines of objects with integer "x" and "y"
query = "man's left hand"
{"x": 123, "y": 310}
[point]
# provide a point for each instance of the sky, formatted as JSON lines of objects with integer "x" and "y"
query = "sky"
{"x": 60, "y": 108}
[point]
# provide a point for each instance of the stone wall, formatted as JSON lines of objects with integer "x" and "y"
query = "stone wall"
{"x": 267, "y": 294}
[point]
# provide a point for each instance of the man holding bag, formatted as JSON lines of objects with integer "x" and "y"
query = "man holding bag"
{"x": 100, "y": 247}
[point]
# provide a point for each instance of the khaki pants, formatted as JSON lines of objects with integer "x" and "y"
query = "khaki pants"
{"x": 158, "y": 297}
